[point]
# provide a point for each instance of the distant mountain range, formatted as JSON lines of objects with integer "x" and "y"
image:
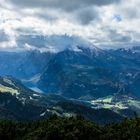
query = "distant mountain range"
{"x": 74, "y": 79}
{"x": 75, "y": 74}
{"x": 94, "y": 73}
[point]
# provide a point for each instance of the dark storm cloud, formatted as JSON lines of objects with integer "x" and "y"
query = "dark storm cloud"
{"x": 82, "y": 11}
{"x": 68, "y": 5}
{"x": 118, "y": 37}
{"x": 46, "y": 16}
{"x": 3, "y": 36}
{"x": 85, "y": 16}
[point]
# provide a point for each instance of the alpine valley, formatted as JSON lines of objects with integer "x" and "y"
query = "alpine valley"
{"x": 77, "y": 78}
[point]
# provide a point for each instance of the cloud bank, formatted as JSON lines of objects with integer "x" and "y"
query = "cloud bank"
{"x": 102, "y": 22}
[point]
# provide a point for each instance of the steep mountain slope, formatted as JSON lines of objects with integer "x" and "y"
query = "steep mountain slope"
{"x": 20, "y": 103}
{"x": 19, "y": 100}
{"x": 91, "y": 72}
{"x": 23, "y": 65}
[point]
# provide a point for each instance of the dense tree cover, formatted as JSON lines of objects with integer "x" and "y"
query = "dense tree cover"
{"x": 74, "y": 128}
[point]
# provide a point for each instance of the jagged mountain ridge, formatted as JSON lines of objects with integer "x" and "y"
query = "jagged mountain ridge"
{"x": 98, "y": 74}
{"x": 78, "y": 70}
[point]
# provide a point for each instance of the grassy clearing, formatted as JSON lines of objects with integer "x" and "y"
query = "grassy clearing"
{"x": 5, "y": 89}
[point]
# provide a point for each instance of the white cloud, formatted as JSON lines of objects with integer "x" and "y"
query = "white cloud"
{"x": 101, "y": 22}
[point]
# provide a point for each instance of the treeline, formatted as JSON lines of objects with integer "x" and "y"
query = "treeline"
{"x": 74, "y": 128}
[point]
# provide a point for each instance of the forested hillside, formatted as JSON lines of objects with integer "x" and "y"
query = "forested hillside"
{"x": 77, "y": 128}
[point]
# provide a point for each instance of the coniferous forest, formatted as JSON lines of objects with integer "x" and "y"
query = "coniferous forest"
{"x": 74, "y": 128}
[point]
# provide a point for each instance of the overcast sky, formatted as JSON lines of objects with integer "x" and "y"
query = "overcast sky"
{"x": 102, "y": 22}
